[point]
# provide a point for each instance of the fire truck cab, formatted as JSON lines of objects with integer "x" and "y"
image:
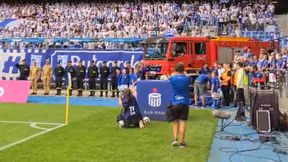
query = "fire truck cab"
{"x": 161, "y": 55}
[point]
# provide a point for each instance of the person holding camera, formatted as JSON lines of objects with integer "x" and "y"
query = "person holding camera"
{"x": 129, "y": 110}
{"x": 179, "y": 109}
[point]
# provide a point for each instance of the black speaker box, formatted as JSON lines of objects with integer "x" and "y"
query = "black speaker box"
{"x": 263, "y": 121}
{"x": 265, "y": 100}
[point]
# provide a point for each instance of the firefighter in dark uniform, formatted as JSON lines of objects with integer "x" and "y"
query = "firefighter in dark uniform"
{"x": 24, "y": 70}
{"x": 92, "y": 75}
{"x": 104, "y": 74}
{"x": 80, "y": 76}
{"x": 59, "y": 73}
{"x": 70, "y": 69}
{"x": 114, "y": 82}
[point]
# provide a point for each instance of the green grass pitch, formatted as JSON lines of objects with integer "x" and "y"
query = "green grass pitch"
{"x": 93, "y": 136}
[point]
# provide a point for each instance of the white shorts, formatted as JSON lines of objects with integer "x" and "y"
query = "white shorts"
{"x": 122, "y": 87}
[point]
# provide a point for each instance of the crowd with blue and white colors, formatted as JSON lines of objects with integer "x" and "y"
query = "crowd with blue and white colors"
{"x": 134, "y": 19}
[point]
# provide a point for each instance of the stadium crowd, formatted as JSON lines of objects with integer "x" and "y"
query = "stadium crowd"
{"x": 267, "y": 70}
{"x": 136, "y": 19}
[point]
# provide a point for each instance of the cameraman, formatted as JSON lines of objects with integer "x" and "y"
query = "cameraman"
{"x": 129, "y": 110}
{"x": 179, "y": 110}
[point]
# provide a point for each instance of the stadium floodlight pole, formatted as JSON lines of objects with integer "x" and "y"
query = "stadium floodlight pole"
{"x": 67, "y": 98}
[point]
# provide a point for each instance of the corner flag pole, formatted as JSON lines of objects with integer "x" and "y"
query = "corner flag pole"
{"x": 67, "y": 98}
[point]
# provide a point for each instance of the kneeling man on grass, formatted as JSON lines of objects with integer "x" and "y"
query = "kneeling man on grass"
{"x": 129, "y": 110}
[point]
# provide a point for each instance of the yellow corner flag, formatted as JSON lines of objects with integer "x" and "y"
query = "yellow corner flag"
{"x": 67, "y": 98}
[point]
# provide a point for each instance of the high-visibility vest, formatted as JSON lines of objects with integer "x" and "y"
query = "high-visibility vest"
{"x": 245, "y": 78}
{"x": 236, "y": 77}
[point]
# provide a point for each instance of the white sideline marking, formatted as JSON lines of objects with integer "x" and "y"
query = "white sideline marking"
{"x": 34, "y": 125}
{"x": 23, "y": 122}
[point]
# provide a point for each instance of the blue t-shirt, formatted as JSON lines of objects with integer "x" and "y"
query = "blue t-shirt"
{"x": 247, "y": 63}
{"x": 216, "y": 71}
{"x": 119, "y": 80}
{"x": 285, "y": 58}
{"x": 180, "y": 85}
{"x": 132, "y": 78}
{"x": 215, "y": 83}
{"x": 204, "y": 71}
{"x": 252, "y": 75}
{"x": 280, "y": 64}
{"x": 264, "y": 64}
{"x": 253, "y": 63}
{"x": 202, "y": 78}
{"x": 248, "y": 55}
{"x": 272, "y": 63}
{"x": 125, "y": 80}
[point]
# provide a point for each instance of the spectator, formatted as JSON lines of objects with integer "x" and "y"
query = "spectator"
{"x": 205, "y": 69}
{"x": 125, "y": 80}
{"x": 122, "y": 20}
{"x": 241, "y": 82}
{"x": 214, "y": 82}
{"x": 226, "y": 84}
{"x": 237, "y": 57}
{"x": 132, "y": 79}
{"x": 24, "y": 70}
{"x": 199, "y": 88}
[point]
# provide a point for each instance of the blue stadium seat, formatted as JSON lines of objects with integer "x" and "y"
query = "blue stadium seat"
{"x": 271, "y": 37}
{"x": 261, "y": 33}
{"x": 255, "y": 33}
{"x": 285, "y": 42}
{"x": 248, "y": 34}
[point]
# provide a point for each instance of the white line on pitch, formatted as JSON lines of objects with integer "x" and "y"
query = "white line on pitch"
{"x": 30, "y": 137}
{"x": 23, "y": 122}
{"x": 34, "y": 125}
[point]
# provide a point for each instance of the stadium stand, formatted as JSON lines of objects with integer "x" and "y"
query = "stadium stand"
{"x": 105, "y": 19}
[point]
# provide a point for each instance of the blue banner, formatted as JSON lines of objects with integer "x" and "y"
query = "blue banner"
{"x": 8, "y": 58}
{"x": 153, "y": 97}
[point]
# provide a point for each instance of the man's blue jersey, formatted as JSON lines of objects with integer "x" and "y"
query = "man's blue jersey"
{"x": 253, "y": 63}
{"x": 132, "y": 78}
{"x": 272, "y": 63}
{"x": 215, "y": 84}
{"x": 202, "y": 79}
{"x": 125, "y": 79}
{"x": 280, "y": 64}
{"x": 131, "y": 108}
{"x": 119, "y": 80}
{"x": 180, "y": 84}
{"x": 204, "y": 71}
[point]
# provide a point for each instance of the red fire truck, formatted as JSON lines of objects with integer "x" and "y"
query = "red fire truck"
{"x": 161, "y": 55}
